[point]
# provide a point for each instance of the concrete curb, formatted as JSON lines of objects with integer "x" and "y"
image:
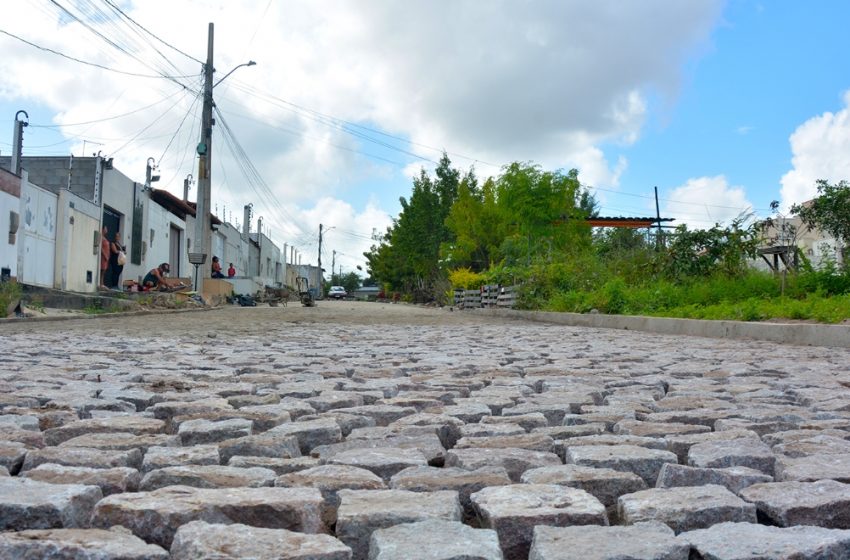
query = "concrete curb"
{"x": 85, "y": 316}
{"x": 783, "y": 333}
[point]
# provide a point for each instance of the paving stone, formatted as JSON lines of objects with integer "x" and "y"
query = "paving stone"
{"x": 792, "y": 436}
{"x": 611, "y": 439}
{"x": 514, "y": 461}
{"x": 746, "y": 452}
{"x": 207, "y": 476}
{"x": 12, "y": 454}
{"x": 82, "y": 457}
{"x": 19, "y": 422}
{"x": 4, "y": 471}
{"x": 642, "y": 461}
{"x": 382, "y": 414}
{"x": 489, "y": 430}
{"x": 197, "y": 432}
{"x": 383, "y": 461}
{"x": 748, "y": 541}
{"x": 761, "y": 428}
{"x": 30, "y": 504}
{"x": 329, "y": 480}
{"x": 279, "y": 466}
{"x": 292, "y": 408}
{"x": 528, "y": 421}
{"x": 27, "y": 437}
{"x": 161, "y": 457}
{"x": 732, "y": 478}
{"x": 267, "y": 444}
{"x": 311, "y": 433}
{"x": 513, "y": 512}
{"x": 199, "y": 539}
{"x": 110, "y": 481}
{"x": 567, "y": 432}
{"x": 434, "y": 539}
{"x": 814, "y": 467}
{"x": 155, "y": 516}
{"x": 825, "y": 503}
{"x": 136, "y": 425}
{"x": 657, "y": 429}
{"x": 643, "y": 541}
{"x": 122, "y": 441}
{"x": 363, "y": 511}
{"x": 814, "y": 445}
{"x": 329, "y": 400}
{"x": 681, "y": 444}
{"x": 428, "y": 444}
{"x": 606, "y": 485}
{"x": 685, "y": 508}
{"x": 78, "y": 544}
{"x": 533, "y": 442}
{"x": 469, "y": 413}
{"x": 169, "y": 409}
{"x": 464, "y": 482}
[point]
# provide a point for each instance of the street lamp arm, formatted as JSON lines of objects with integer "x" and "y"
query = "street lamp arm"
{"x": 249, "y": 63}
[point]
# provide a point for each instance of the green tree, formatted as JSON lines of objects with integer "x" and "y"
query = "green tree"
{"x": 829, "y": 211}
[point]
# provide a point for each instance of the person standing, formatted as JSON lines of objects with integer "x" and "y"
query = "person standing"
{"x": 117, "y": 258}
{"x": 104, "y": 256}
{"x": 231, "y": 271}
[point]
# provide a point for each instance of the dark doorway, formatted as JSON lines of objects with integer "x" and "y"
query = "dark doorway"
{"x": 174, "y": 256}
{"x": 111, "y": 221}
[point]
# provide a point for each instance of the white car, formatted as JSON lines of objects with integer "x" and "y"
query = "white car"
{"x": 337, "y": 292}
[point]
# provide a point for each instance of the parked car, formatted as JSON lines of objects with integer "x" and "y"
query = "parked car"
{"x": 337, "y": 292}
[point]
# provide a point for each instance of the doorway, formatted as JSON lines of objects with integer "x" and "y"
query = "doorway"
{"x": 174, "y": 256}
{"x": 111, "y": 221}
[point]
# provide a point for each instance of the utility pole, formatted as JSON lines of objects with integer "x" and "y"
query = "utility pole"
{"x": 321, "y": 273}
{"x": 200, "y": 246}
{"x": 333, "y": 266}
{"x": 659, "y": 240}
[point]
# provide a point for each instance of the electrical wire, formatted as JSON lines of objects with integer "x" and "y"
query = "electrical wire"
{"x": 94, "y": 64}
{"x": 140, "y": 26}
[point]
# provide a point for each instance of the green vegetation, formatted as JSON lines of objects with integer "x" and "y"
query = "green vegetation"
{"x": 10, "y": 292}
{"x": 526, "y": 227}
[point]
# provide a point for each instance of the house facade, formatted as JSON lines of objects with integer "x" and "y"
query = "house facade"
{"x": 58, "y": 206}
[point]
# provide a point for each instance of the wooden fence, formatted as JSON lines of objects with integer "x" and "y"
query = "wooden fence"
{"x": 491, "y": 295}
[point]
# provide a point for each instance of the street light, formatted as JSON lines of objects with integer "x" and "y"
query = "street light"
{"x": 249, "y": 63}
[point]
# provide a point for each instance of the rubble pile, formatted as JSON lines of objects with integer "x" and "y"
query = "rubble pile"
{"x": 422, "y": 442}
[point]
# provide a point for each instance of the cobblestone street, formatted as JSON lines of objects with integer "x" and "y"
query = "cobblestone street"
{"x": 390, "y": 432}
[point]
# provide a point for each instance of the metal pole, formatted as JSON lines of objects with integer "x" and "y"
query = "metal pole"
{"x": 657, "y": 217}
{"x": 202, "y": 212}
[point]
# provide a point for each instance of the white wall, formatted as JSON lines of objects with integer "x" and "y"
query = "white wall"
{"x": 9, "y": 252}
{"x": 77, "y": 244}
{"x": 157, "y": 239}
{"x": 36, "y": 248}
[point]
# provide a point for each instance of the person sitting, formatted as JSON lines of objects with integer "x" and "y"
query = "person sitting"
{"x": 216, "y": 269}
{"x": 231, "y": 271}
{"x": 155, "y": 279}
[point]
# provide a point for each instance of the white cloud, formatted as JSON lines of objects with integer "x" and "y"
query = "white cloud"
{"x": 704, "y": 201}
{"x": 496, "y": 81}
{"x": 819, "y": 147}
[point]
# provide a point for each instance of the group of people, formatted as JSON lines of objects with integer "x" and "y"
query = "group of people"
{"x": 112, "y": 259}
{"x": 216, "y": 269}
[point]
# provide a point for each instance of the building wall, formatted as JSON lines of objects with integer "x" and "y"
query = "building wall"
{"x": 57, "y": 173}
{"x": 817, "y": 246}
{"x": 123, "y": 195}
{"x": 78, "y": 244}
{"x": 158, "y": 241}
{"x": 36, "y": 248}
{"x": 10, "y": 202}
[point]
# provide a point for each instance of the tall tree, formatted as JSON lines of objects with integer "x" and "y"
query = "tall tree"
{"x": 829, "y": 211}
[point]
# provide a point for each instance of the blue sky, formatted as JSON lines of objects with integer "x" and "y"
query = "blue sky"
{"x": 725, "y": 106}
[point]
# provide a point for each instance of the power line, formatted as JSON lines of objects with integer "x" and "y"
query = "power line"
{"x": 96, "y": 65}
{"x": 140, "y": 26}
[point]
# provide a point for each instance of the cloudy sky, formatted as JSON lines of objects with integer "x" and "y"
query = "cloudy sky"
{"x": 724, "y": 106}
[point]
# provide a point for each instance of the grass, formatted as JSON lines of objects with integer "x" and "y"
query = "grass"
{"x": 754, "y": 297}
